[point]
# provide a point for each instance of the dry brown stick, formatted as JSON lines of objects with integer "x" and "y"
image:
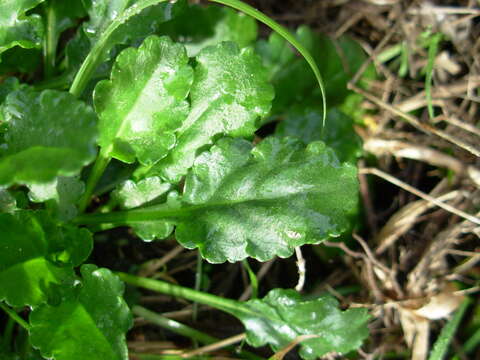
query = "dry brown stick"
{"x": 421, "y": 194}
{"x": 427, "y": 128}
{"x": 422, "y": 153}
{"x": 153, "y": 265}
{"x": 453, "y": 90}
{"x": 216, "y": 346}
{"x": 390, "y": 273}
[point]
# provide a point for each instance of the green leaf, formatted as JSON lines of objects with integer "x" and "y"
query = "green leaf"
{"x": 7, "y": 202}
{"x": 63, "y": 192}
{"x": 90, "y": 325}
{"x": 139, "y": 111}
{"x": 17, "y": 29}
{"x": 105, "y": 12}
{"x": 36, "y": 253}
{"x": 133, "y": 194}
{"x": 265, "y": 201}
{"x": 48, "y": 134}
{"x": 282, "y": 316}
{"x": 7, "y": 86}
{"x": 230, "y": 92}
{"x": 200, "y": 26}
{"x": 305, "y": 122}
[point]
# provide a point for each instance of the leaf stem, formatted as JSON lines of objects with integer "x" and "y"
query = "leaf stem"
{"x": 51, "y": 41}
{"x": 227, "y": 305}
{"x": 253, "y": 279}
{"x": 186, "y": 331}
{"x": 173, "y": 326}
{"x": 14, "y": 316}
{"x": 97, "y": 171}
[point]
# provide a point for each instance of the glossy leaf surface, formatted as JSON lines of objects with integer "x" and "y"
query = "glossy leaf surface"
{"x": 48, "y": 134}
{"x": 282, "y": 316}
{"x": 63, "y": 193}
{"x": 17, "y": 29}
{"x": 34, "y": 253}
{"x": 144, "y": 102}
{"x": 89, "y": 323}
{"x": 306, "y": 122}
{"x": 133, "y": 194}
{"x": 264, "y": 201}
{"x": 229, "y": 94}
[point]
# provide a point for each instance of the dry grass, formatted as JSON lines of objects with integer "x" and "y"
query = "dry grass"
{"x": 411, "y": 254}
{"x": 420, "y": 186}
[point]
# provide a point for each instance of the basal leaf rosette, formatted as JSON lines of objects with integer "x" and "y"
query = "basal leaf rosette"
{"x": 90, "y": 322}
{"x": 49, "y": 133}
{"x": 144, "y": 102}
{"x": 229, "y": 94}
{"x": 35, "y": 253}
{"x": 265, "y": 201}
{"x": 282, "y": 316}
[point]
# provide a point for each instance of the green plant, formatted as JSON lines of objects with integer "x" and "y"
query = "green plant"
{"x": 184, "y": 116}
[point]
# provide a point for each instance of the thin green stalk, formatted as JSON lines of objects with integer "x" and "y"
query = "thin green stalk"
{"x": 440, "y": 348}
{"x": 184, "y": 330}
{"x": 119, "y": 218}
{"x": 432, "y": 54}
{"x": 472, "y": 343}
{"x": 14, "y": 316}
{"x": 97, "y": 171}
{"x": 173, "y": 326}
{"x": 51, "y": 41}
{"x": 253, "y": 279}
{"x": 217, "y": 302}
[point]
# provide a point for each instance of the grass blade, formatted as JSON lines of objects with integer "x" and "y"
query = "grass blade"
{"x": 440, "y": 348}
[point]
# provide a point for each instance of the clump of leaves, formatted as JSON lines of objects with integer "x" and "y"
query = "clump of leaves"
{"x": 173, "y": 121}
